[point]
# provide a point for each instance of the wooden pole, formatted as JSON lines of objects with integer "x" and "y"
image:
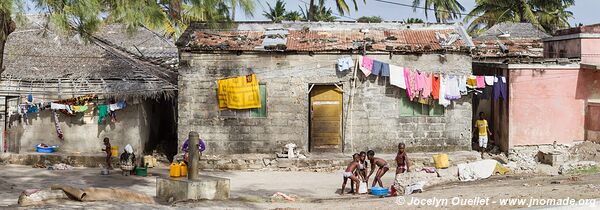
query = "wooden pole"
{"x": 352, "y": 96}
{"x": 193, "y": 139}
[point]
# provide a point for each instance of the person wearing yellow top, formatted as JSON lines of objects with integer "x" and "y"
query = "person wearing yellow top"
{"x": 484, "y": 130}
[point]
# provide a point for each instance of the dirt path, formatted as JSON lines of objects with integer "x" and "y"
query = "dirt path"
{"x": 496, "y": 190}
{"x": 252, "y": 190}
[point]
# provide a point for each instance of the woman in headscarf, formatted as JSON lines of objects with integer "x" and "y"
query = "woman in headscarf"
{"x": 185, "y": 149}
{"x": 127, "y": 160}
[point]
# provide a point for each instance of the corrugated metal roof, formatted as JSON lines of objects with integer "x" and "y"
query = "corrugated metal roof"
{"x": 294, "y": 39}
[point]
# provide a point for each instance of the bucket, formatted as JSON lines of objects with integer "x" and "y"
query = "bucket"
{"x": 115, "y": 151}
{"x": 175, "y": 170}
{"x": 362, "y": 188}
{"x": 183, "y": 169}
{"x": 139, "y": 171}
{"x": 441, "y": 160}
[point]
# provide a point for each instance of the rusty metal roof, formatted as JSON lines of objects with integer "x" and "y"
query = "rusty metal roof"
{"x": 347, "y": 37}
{"x": 532, "y": 48}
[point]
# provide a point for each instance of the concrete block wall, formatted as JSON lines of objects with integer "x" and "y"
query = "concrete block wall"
{"x": 376, "y": 122}
{"x": 81, "y": 136}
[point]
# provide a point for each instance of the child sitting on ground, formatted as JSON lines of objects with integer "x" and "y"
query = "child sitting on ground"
{"x": 349, "y": 173}
{"x": 381, "y": 163}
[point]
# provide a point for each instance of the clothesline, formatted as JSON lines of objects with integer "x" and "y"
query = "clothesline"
{"x": 426, "y": 87}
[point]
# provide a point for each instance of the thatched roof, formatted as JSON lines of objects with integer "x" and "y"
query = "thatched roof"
{"x": 37, "y": 55}
{"x": 144, "y": 43}
{"x": 516, "y": 31}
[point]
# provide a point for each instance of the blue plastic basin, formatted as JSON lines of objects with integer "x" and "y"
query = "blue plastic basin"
{"x": 46, "y": 149}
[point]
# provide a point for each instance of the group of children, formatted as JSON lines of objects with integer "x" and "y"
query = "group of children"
{"x": 357, "y": 169}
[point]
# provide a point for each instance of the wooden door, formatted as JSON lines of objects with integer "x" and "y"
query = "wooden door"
{"x": 592, "y": 122}
{"x": 325, "y": 119}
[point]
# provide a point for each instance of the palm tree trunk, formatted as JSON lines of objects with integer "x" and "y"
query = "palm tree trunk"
{"x": 234, "y": 4}
{"x": 233, "y": 13}
{"x": 311, "y": 10}
{"x": 7, "y": 26}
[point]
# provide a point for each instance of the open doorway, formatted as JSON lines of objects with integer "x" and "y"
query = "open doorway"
{"x": 494, "y": 109}
{"x": 325, "y": 120}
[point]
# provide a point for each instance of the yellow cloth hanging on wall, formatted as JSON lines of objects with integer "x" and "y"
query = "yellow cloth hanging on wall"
{"x": 239, "y": 93}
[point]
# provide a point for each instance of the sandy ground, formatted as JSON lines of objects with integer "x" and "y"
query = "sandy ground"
{"x": 252, "y": 190}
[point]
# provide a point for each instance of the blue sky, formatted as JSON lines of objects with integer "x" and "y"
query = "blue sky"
{"x": 584, "y": 10}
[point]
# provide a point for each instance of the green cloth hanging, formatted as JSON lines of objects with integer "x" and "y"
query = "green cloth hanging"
{"x": 102, "y": 113}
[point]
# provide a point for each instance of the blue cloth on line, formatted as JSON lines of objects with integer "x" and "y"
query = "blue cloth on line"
{"x": 381, "y": 68}
{"x": 344, "y": 64}
{"x": 376, "y": 67}
{"x": 499, "y": 89}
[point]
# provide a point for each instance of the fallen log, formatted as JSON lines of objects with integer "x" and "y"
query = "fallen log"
{"x": 56, "y": 192}
{"x": 39, "y": 197}
{"x": 73, "y": 193}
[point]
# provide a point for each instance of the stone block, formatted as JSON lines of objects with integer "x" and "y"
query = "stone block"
{"x": 206, "y": 187}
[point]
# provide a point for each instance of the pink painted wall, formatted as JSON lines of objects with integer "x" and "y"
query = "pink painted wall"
{"x": 590, "y": 51}
{"x": 545, "y": 106}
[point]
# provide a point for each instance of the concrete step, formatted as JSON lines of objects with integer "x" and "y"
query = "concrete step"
{"x": 244, "y": 161}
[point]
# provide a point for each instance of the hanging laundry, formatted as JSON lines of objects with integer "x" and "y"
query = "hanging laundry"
{"x": 239, "y": 93}
{"x": 56, "y": 106}
{"x": 30, "y": 98}
{"x": 113, "y": 116}
{"x": 472, "y": 82}
{"x": 462, "y": 85}
{"x": 426, "y": 86}
{"x": 377, "y": 68}
{"x": 407, "y": 82}
{"x": 435, "y": 86}
{"x": 80, "y": 108}
{"x": 419, "y": 81}
{"x": 397, "y": 76}
{"x": 480, "y": 81}
{"x": 32, "y": 109}
{"x": 121, "y": 104}
{"x": 345, "y": 63}
{"x": 442, "y": 99}
{"x": 102, "y": 113}
{"x": 366, "y": 65}
{"x": 500, "y": 88}
{"x": 69, "y": 109}
{"x": 487, "y": 93}
{"x": 452, "y": 92}
{"x": 489, "y": 80}
{"x": 59, "y": 131}
{"x": 113, "y": 107}
{"x": 423, "y": 100}
{"x": 385, "y": 70}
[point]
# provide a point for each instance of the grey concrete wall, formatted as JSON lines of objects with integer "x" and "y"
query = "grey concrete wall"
{"x": 82, "y": 135}
{"x": 376, "y": 121}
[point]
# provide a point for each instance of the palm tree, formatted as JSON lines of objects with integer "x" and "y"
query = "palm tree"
{"x": 444, "y": 10}
{"x": 318, "y": 13}
{"x": 369, "y": 19}
{"x": 548, "y": 15}
{"x": 341, "y": 6}
{"x": 277, "y": 13}
{"x": 414, "y": 20}
{"x": 246, "y": 5}
{"x": 552, "y": 19}
{"x": 294, "y": 16}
